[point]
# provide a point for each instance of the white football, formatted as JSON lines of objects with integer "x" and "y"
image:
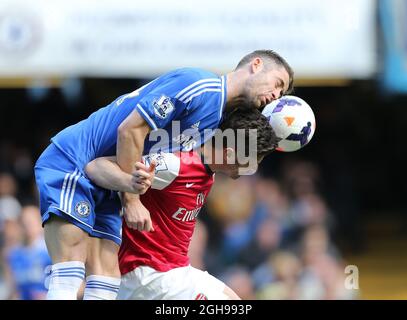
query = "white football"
{"x": 292, "y": 120}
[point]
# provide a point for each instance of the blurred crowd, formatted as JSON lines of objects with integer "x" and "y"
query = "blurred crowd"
{"x": 23, "y": 253}
{"x": 266, "y": 238}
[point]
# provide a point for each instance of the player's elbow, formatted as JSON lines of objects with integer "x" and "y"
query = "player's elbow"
{"x": 91, "y": 169}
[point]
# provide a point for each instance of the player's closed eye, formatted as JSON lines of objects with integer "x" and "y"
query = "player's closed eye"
{"x": 280, "y": 84}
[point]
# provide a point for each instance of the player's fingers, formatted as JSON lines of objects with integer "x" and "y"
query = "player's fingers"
{"x": 153, "y": 165}
{"x": 146, "y": 183}
{"x": 142, "y": 181}
{"x": 141, "y": 173}
{"x": 141, "y": 166}
{"x": 149, "y": 225}
{"x": 139, "y": 181}
{"x": 130, "y": 224}
{"x": 141, "y": 187}
{"x": 140, "y": 226}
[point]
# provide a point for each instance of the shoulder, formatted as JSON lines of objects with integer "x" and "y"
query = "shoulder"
{"x": 187, "y": 78}
{"x": 193, "y": 73}
{"x": 177, "y": 83}
{"x": 194, "y": 81}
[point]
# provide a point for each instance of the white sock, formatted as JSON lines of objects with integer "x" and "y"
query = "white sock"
{"x": 65, "y": 280}
{"x": 101, "y": 288}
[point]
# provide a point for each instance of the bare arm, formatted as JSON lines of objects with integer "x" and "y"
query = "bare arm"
{"x": 130, "y": 143}
{"x": 106, "y": 173}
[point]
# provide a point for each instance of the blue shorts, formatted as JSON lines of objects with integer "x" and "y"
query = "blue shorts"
{"x": 66, "y": 192}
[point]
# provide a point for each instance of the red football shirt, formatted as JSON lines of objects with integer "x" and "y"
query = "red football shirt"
{"x": 179, "y": 191}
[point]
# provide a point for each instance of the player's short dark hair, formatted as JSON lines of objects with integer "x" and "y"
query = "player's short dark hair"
{"x": 271, "y": 56}
{"x": 245, "y": 118}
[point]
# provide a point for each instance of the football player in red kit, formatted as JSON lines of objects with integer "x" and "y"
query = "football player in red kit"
{"x": 155, "y": 265}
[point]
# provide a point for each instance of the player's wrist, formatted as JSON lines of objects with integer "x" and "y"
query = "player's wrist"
{"x": 130, "y": 197}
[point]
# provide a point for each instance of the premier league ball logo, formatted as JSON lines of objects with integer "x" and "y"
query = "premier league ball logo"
{"x": 293, "y": 122}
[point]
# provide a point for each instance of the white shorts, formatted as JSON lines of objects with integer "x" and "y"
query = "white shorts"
{"x": 185, "y": 283}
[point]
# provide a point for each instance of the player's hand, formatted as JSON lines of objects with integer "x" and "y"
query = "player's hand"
{"x": 142, "y": 177}
{"x": 137, "y": 216}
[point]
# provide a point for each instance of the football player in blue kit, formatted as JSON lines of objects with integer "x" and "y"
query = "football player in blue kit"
{"x": 82, "y": 221}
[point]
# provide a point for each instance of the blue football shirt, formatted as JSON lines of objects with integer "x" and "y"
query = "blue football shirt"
{"x": 182, "y": 107}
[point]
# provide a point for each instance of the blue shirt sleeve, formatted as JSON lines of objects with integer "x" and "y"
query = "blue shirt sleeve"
{"x": 173, "y": 96}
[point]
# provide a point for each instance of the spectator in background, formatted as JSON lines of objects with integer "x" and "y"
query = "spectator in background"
{"x": 8, "y": 185}
{"x": 301, "y": 181}
{"x": 308, "y": 210}
{"x": 272, "y": 199}
{"x": 10, "y": 231}
{"x": 198, "y": 246}
{"x": 12, "y": 237}
{"x": 233, "y": 210}
{"x": 265, "y": 241}
{"x": 239, "y": 280}
{"x": 286, "y": 269}
{"x": 27, "y": 261}
{"x": 300, "y": 178}
{"x": 10, "y": 209}
{"x": 316, "y": 242}
{"x": 323, "y": 276}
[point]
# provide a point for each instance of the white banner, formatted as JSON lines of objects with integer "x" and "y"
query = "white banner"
{"x": 125, "y": 38}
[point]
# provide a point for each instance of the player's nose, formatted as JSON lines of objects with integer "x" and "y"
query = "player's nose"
{"x": 276, "y": 94}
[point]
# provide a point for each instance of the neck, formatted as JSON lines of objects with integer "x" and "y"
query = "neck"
{"x": 235, "y": 82}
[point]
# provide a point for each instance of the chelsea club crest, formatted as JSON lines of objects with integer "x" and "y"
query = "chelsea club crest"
{"x": 82, "y": 208}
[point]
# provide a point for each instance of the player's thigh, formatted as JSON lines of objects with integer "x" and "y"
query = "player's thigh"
{"x": 65, "y": 241}
{"x": 66, "y": 205}
{"x": 200, "y": 285}
{"x": 108, "y": 222}
{"x": 106, "y": 236}
{"x": 102, "y": 257}
{"x": 144, "y": 283}
{"x": 184, "y": 283}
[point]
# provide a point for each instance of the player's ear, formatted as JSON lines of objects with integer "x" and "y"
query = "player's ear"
{"x": 256, "y": 65}
{"x": 229, "y": 155}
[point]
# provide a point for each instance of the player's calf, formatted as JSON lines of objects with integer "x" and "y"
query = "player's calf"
{"x": 102, "y": 266}
{"x": 66, "y": 245}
